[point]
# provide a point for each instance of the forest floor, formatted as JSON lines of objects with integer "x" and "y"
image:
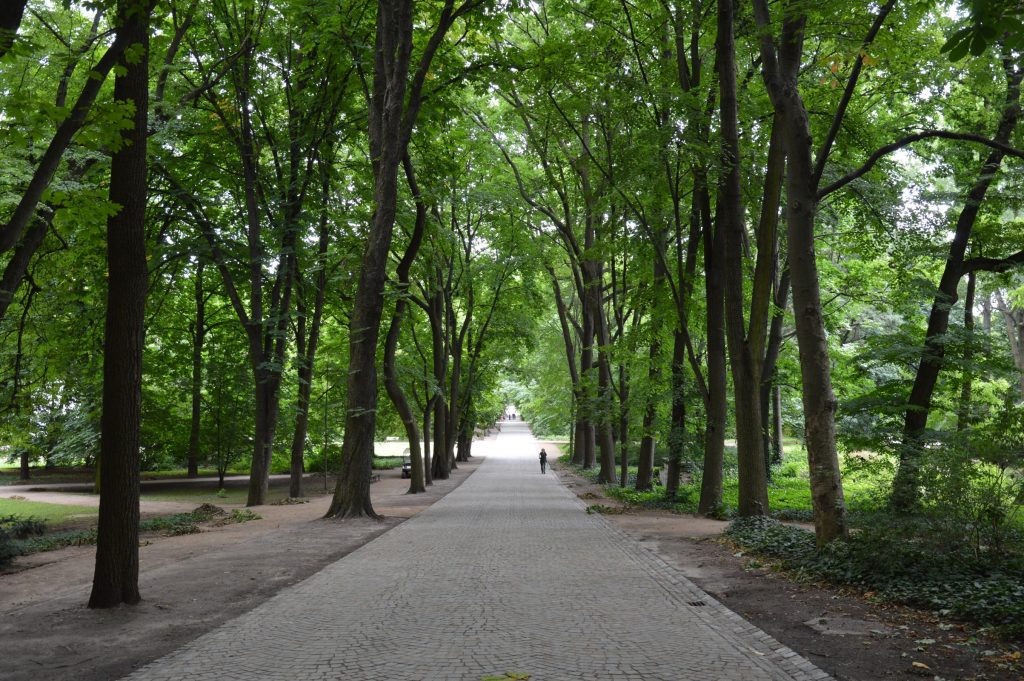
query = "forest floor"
{"x": 843, "y": 632}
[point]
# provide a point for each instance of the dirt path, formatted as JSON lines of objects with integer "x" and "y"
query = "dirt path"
{"x": 843, "y": 633}
{"x": 190, "y": 584}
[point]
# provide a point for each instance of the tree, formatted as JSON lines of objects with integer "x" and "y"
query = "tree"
{"x": 116, "y": 579}
{"x": 394, "y": 105}
{"x": 905, "y": 485}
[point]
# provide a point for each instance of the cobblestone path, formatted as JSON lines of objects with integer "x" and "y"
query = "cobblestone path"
{"x": 505, "y": 574}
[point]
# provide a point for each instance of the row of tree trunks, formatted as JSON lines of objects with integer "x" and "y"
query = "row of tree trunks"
{"x": 780, "y": 68}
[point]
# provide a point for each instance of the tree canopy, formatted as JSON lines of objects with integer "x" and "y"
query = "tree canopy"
{"x": 675, "y": 233}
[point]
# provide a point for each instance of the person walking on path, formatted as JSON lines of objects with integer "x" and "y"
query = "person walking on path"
{"x": 543, "y": 460}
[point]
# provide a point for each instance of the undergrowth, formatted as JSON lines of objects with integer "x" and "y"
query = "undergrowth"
{"x": 901, "y": 561}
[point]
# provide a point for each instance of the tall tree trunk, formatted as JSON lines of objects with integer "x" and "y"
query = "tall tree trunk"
{"x": 623, "y": 425}
{"x": 780, "y": 69}
{"x": 677, "y": 426}
{"x": 428, "y": 410}
{"x": 753, "y": 492}
{"x": 307, "y": 352}
{"x": 716, "y": 406}
{"x": 574, "y": 374}
{"x": 777, "y": 449}
{"x": 394, "y": 388}
{"x": 769, "y": 375}
{"x": 198, "y": 339}
{"x": 963, "y": 414}
{"x": 905, "y": 492}
{"x": 440, "y": 467}
{"x": 645, "y": 455}
{"x": 116, "y": 579}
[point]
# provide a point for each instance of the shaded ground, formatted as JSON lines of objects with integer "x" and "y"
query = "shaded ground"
{"x": 189, "y": 583}
{"x": 193, "y": 583}
{"x": 842, "y": 632}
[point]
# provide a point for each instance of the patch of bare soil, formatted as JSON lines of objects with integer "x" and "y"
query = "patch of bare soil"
{"x": 842, "y": 632}
{"x": 190, "y": 584}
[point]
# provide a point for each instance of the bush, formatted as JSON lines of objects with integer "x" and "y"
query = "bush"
{"x": 14, "y": 529}
{"x": 22, "y": 528}
{"x": 900, "y": 560}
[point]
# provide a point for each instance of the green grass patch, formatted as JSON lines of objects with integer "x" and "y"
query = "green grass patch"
{"x": 52, "y": 514}
{"x": 385, "y": 463}
{"x": 789, "y": 491}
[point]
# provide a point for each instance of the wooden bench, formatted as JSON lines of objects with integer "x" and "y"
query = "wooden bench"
{"x": 374, "y": 477}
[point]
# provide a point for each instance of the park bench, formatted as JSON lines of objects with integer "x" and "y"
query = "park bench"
{"x": 374, "y": 477}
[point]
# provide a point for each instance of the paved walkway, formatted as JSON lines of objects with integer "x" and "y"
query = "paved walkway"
{"x": 505, "y": 574}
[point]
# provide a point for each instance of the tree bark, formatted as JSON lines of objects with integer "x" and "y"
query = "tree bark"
{"x": 780, "y": 69}
{"x": 394, "y": 388}
{"x": 116, "y": 579}
{"x": 963, "y": 414}
{"x": 306, "y": 350}
{"x": 770, "y": 392}
{"x": 198, "y": 339}
{"x": 645, "y": 455}
{"x": 440, "y": 467}
{"x": 716, "y": 406}
{"x": 677, "y": 426}
{"x": 753, "y": 492}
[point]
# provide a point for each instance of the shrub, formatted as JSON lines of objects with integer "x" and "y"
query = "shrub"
{"x": 22, "y": 528}
{"x": 900, "y": 560}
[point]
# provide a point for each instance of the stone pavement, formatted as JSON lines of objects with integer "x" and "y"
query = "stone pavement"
{"x": 505, "y": 574}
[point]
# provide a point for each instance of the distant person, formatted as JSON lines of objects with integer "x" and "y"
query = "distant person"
{"x": 543, "y": 461}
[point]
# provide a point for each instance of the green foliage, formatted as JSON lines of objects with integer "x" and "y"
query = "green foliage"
{"x": 22, "y": 528}
{"x": 905, "y": 561}
{"x": 990, "y": 21}
{"x": 603, "y": 509}
{"x": 14, "y": 528}
{"x": 242, "y": 515}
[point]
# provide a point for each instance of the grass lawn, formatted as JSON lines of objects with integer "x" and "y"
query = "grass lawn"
{"x": 53, "y": 514}
{"x": 789, "y": 493}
